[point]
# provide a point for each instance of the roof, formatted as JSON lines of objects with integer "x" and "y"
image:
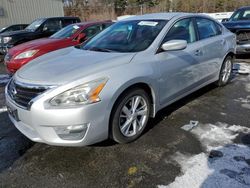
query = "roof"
{"x": 92, "y": 23}
{"x": 66, "y": 17}
{"x": 161, "y": 16}
{"x": 245, "y": 7}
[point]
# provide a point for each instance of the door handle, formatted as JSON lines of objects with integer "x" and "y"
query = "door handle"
{"x": 223, "y": 42}
{"x": 198, "y": 53}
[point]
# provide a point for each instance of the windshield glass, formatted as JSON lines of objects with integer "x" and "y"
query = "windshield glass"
{"x": 127, "y": 36}
{"x": 34, "y": 25}
{"x": 243, "y": 14}
{"x": 66, "y": 32}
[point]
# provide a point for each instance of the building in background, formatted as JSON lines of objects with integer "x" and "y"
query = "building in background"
{"x": 25, "y": 11}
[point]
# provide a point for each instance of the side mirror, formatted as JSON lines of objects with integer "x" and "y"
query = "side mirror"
{"x": 81, "y": 37}
{"x": 174, "y": 45}
{"x": 45, "y": 29}
{"x": 225, "y": 20}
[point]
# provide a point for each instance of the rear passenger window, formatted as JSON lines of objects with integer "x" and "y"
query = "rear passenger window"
{"x": 207, "y": 28}
{"x": 67, "y": 22}
{"x": 182, "y": 30}
{"x": 104, "y": 26}
{"x": 53, "y": 25}
{"x": 219, "y": 29}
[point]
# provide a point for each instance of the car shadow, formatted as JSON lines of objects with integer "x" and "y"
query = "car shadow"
{"x": 12, "y": 143}
{"x": 167, "y": 111}
{"x": 242, "y": 56}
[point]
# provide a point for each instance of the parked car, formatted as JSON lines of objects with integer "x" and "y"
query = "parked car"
{"x": 40, "y": 28}
{"x": 15, "y": 27}
{"x": 69, "y": 36}
{"x": 239, "y": 23}
{"x": 116, "y": 81}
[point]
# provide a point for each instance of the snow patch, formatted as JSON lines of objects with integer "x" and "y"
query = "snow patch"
{"x": 245, "y": 102}
{"x": 3, "y": 109}
{"x": 242, "y": 68}
{"x": 229, "y": 170}
{"x": 190, "y": 126}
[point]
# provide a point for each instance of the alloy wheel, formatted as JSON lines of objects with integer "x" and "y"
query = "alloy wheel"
{"x": 133, "y": 116}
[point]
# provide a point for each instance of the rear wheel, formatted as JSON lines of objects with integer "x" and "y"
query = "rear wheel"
{"x": 130, "y": 116}
{"x": 226, "y": 72}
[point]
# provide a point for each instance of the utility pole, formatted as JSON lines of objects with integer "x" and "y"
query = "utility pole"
{"x": 141, "y": 6}
{"x": 171, "y": 6}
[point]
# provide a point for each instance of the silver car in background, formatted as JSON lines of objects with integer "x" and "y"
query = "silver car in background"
{"x": 110, "y": 86}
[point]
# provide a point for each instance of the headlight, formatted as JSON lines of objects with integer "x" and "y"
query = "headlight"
{"x": 6, "y": 39}
{"x": 84, "y": 94}
{"x": 26, "y": 54}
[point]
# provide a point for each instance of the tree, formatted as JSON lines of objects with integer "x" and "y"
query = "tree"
{"x": 120, "y": 6}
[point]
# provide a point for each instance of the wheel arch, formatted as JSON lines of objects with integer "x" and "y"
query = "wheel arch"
{"x": 142, "y": 85}
{"x": 231, "y": 54}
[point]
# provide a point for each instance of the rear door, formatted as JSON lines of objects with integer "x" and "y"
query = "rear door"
{"x": 210, "y": 37}
{"x": 69, "y": 21}
{"x": 51, "y": 26}
{"x": 180, "y": 70}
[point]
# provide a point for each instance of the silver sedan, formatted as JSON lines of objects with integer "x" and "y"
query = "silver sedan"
{"x": 110, "y": 86}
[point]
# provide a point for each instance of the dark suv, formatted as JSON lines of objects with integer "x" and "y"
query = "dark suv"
{"x": 239, "y": 23}
{"x": 40, "y": 28}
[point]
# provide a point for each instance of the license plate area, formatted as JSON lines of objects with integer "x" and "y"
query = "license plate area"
{"x": 13, "y": 113}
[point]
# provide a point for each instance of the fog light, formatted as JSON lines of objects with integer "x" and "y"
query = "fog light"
{"x": 72, "y": 132}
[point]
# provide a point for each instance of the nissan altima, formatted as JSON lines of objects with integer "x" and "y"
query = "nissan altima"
{"x": 110, "y": 86}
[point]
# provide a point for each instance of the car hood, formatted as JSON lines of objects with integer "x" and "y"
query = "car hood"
{"x": 15, "y": 33}
{"x": 237, "y": 25}
{"x": 34, "y": 44}
{"x": 69, "y": 64}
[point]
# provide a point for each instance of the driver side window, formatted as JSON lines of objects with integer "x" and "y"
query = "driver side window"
{"x": 92, "y": 31}
{"x": 182, "y": 30}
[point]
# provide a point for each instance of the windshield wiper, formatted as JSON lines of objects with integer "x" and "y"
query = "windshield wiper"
{"x": 100, "y": 49}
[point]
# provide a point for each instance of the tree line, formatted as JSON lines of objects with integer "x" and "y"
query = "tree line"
{"x": 109, "y": 9}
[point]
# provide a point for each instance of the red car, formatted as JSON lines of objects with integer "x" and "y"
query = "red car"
{"x": 69, "y": 36}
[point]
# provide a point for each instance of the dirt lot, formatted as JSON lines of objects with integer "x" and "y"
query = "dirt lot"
{"x": 213, "y": 152}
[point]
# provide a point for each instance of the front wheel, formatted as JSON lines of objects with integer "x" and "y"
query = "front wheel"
{"x": 226, "y": 72}
{"x": 130, "y": 116}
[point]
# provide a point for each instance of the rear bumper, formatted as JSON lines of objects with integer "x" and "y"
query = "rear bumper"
{"x": 243, "y": 49}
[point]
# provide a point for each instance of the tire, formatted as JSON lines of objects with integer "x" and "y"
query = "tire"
{"x": 128, "y": 123}
{"x": 225, "y": 72}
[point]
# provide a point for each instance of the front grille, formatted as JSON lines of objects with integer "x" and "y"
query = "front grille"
{"x": 22, "y": 95}
{"x": 243, "y": 36}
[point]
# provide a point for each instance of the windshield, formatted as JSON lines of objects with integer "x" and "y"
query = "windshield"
{"x": 243, "y": 14}
{"x": 35, "y": 24}
{"x": 127, "y": 36}
{"x": 66, "y": 32}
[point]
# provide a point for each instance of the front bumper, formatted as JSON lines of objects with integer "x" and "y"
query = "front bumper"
{"x": 39, "y": 124}
{"x": 243, "y": 49}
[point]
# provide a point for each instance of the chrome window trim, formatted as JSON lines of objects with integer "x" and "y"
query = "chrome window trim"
{"x": 28, "y": 86}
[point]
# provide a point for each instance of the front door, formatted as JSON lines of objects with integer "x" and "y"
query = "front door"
{"x": 179, "y": 70}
